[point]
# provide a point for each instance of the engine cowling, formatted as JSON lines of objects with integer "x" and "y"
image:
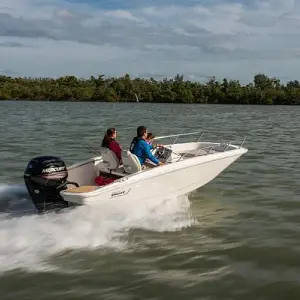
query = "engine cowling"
{"x": 45, "y": 177}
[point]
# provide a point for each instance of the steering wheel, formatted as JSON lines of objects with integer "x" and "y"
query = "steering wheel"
{"x": 159, "y": 152}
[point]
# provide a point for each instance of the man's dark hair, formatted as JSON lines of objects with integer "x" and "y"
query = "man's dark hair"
{"x": 140, "y": 131}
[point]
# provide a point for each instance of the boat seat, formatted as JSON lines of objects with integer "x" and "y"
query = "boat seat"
{"x": 131, "y": 163}
{"x": 109, "y": 158}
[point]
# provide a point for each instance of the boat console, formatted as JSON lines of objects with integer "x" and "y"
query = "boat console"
{"x": 165, "y": 154}
{"x": 162, "y": 154}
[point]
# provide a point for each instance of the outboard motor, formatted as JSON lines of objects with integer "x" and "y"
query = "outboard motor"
{"x": 45, "y": 177}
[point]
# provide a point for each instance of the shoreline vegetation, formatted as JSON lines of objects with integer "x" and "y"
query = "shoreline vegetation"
{"x": 263, "y": 90}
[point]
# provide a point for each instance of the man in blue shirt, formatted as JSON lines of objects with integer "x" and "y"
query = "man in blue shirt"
{"x": 141, "y": 148}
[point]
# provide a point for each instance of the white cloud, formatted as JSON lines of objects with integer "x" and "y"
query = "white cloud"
{"x": 122, "y": 14}
{"x": 226, "y": 40}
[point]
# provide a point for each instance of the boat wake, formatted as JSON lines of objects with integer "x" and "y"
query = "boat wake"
{"x": 28, "y": 240}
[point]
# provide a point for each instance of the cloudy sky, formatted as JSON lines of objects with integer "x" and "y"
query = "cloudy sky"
{"x": 159, "y": 38}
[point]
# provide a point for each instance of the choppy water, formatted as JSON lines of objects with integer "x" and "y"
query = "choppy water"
{"x": 236, "y": 238}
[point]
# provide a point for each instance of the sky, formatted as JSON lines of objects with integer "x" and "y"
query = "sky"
{"x": 197, "y": 38}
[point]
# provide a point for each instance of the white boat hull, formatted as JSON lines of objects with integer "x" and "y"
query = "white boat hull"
{"x": 167, "y": 181}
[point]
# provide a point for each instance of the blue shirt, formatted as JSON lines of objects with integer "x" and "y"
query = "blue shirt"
{"x": 142, "y": 151}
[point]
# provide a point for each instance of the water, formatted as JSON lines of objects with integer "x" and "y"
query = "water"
{"x": 235, "y": 238}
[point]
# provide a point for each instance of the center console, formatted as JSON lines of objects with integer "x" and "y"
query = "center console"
{"x": 165, "y": 154}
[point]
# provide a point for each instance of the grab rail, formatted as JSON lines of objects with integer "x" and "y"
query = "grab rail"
{"x": 179, "y": 135}
{"x": 176, "y": 135}
{"x": 209, "y": 148}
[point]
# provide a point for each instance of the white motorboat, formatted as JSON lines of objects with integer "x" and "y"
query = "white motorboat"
{"x": 188, "y": 166}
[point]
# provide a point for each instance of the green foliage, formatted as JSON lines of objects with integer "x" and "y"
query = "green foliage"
{"x": 263, "y": 90}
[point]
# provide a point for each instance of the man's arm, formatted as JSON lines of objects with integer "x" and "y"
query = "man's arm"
{"x": 148, "y": 154}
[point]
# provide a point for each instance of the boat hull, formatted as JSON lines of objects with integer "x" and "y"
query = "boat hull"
{"x": 162, "y": 182}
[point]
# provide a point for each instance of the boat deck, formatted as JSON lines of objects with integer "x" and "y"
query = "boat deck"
{"x": 83, "y": 189}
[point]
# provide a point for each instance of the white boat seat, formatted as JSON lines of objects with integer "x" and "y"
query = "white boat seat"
{"x": 131, "y": 163}
{"x": 110, "y": 158}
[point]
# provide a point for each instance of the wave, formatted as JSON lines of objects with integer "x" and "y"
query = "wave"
{"x": 28, "y": 240}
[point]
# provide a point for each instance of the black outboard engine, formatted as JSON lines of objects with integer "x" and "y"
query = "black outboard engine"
{"x": 45, "y": 177}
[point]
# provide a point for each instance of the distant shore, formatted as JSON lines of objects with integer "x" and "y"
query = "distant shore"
{"x": 263, "y": 90}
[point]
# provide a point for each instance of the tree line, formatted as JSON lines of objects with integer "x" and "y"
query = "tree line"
{"x": 263, "y": 90}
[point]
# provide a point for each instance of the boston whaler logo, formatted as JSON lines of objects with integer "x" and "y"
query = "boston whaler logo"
{"x": 53, "y": 169}
{"x": 119, "y": 193}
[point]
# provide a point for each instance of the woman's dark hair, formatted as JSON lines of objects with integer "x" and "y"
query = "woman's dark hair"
{"x": 109, "y": 133}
